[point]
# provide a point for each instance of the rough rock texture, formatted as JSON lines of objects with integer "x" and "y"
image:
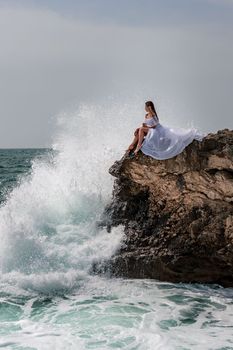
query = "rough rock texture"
{"x": 177, "y": 214}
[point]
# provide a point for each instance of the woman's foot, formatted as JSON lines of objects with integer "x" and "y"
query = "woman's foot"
{"x": 129, "y": 149}
{"x": 137, "y": 149}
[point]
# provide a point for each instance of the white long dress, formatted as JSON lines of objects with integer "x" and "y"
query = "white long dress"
{"x": 163, "y": 142}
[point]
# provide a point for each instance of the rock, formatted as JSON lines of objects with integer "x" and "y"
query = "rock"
{"x": 177, "y": 214}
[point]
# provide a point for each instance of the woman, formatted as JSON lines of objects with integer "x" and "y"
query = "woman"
{"x": 160, "y": 141}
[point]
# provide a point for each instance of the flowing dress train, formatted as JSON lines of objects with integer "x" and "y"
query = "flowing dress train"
{"x": 164, "y": 142}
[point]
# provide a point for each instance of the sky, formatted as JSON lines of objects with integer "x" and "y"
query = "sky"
{"x": 55, "y": 55}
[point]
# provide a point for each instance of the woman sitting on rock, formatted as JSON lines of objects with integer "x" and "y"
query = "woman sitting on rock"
{"x": 151, "y": 120}
{"x": 160, "y": 141}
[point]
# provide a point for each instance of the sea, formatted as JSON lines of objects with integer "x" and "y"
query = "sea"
{"x": 51, "y": 201}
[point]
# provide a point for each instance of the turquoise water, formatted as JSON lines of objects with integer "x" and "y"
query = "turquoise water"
{"x": 13, "y": 163}
{"x": 51, "y": 201}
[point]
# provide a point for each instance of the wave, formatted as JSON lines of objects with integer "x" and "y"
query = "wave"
{"x": 49, "y": 237}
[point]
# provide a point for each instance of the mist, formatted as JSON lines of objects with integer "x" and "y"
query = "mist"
{"x": 53, "y": 59}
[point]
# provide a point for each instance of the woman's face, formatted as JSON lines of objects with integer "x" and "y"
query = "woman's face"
{"x": 147, "y": 108}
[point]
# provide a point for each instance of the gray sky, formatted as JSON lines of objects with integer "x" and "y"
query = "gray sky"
{"x": 57, "y": 54}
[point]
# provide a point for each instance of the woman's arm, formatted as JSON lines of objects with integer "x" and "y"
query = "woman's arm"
{"x": 154, "y": 124}
{"x": 149, "y": 126}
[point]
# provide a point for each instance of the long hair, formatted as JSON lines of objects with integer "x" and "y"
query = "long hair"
{"x": 151, "y": 104}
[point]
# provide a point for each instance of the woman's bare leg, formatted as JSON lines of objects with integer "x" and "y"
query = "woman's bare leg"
{"x": 134, "y": 142}
{"x": 142, "y": 132}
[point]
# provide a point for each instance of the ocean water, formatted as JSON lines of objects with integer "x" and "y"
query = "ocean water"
{"x": 51, "y": 201}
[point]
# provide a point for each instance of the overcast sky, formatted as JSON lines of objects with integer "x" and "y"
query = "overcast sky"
{"x": 57, "y": 54}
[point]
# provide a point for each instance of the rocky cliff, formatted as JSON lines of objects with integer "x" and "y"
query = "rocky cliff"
{"x": 177, "y": 214}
